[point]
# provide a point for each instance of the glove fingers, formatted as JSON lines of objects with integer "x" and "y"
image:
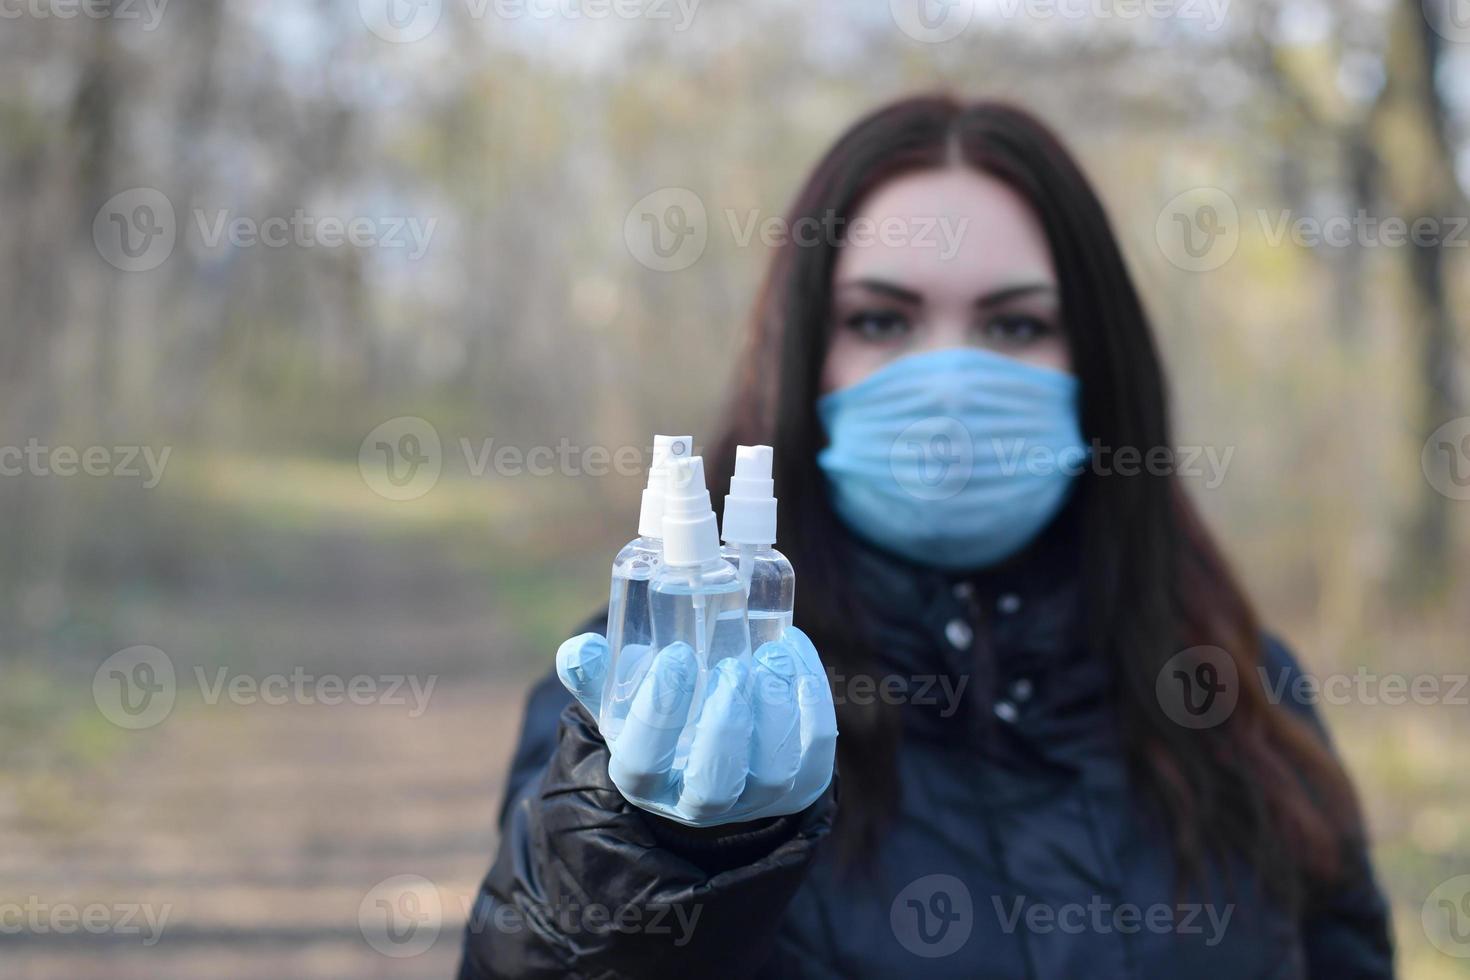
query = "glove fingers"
{"x": 806, "y": 654}
{"x": 818, "y": 720}
{"x": 643, "y": 753}
{"x": 775, "y": 755}
{"x": 714, "y": 775}
{"x": 581, "y": 666}
{"x": 628, "y": 673}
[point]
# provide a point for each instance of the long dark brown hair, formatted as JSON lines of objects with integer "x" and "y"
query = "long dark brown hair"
{"x": 1262, "y": 786}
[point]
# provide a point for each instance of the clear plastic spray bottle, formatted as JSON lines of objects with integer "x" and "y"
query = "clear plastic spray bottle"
{"x": 696, "y": 596}
{"x": 628, "y": 624}
{"x": 750, "y": 536}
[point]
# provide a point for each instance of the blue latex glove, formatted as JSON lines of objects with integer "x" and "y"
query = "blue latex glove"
{"x": 764, "y": 736}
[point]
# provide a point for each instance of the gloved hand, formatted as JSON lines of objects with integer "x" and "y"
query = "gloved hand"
{"x": 764, "y": 737}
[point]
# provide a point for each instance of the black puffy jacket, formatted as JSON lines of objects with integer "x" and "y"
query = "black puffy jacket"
{"x": 1018, "y": 849}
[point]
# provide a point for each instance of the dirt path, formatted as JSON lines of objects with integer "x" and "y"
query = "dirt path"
{"x": 258, "y": 839}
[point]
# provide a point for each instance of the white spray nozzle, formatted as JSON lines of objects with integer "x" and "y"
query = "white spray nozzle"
{"x": 750, "y": 508}
{"x": 691, "y": 536}
{"x": 665, "y": 448}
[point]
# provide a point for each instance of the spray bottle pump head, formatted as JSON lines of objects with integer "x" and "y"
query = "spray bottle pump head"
{"x": 651, "y": 514}
{"x": 691, "y": 536}
{"x": 750, "y": 508}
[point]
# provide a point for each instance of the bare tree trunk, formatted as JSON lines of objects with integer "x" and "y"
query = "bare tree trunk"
{"x": 1421, "y": 175}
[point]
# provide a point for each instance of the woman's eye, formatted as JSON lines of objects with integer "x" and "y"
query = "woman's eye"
{"x": 1016, "y": 330}
{"x": 877, "y": 325}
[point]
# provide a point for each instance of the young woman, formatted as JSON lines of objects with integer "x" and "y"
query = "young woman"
{"x": 1060, "y": 752}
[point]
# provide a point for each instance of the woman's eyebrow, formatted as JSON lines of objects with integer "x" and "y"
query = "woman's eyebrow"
{"x": 1014, "y": 292}
{"x": 886, "y": 288}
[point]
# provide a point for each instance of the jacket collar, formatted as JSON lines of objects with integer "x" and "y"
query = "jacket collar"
{"x": 1012, "y": 635}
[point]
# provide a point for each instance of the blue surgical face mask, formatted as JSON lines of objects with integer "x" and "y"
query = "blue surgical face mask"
{"x": 955, "y": 458}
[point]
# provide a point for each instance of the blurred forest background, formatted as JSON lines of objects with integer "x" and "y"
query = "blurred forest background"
{"x": 522, "y": 146}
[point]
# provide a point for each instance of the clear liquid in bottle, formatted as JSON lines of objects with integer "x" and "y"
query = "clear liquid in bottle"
{"x": 705, "y": 608}
{"x": 771, "y": 585}
{"x": 629, "y": 629}
{"x": 750, "y": 538}
{"x": 696, "y": 597}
